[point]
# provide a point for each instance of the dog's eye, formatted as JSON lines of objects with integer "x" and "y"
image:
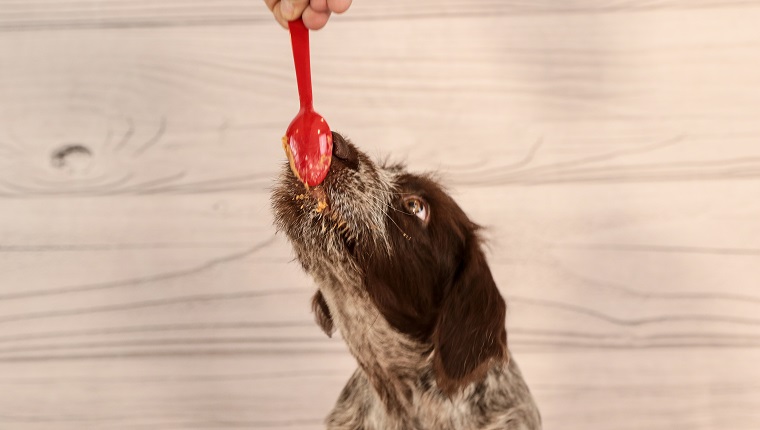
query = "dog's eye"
{"x": 418, "y": 207}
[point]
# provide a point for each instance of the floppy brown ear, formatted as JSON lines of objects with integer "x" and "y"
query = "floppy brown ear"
{"x": 322, "y": 313}
{"x": 470, "y": 330}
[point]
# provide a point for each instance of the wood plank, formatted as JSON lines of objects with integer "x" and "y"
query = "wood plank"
{"x": 153, "y": 98}
{"x": 41, "y": 15}
{"x": 609, "y": 148}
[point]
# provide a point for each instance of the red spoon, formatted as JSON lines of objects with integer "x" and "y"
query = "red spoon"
{"x": 308, "y": 140}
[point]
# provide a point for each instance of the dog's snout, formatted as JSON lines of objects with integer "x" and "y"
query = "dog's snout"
{"x": 345, "y": 152}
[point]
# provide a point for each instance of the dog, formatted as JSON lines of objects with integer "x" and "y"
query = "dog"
{"x": 401, "y": 274}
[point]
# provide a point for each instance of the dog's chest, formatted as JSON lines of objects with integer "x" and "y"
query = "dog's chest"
{"x": 430, "y": 410}
{"x": 368, "y": 335}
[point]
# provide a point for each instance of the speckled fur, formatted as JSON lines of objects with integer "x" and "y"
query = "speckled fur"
{"x": 394, "y": 387}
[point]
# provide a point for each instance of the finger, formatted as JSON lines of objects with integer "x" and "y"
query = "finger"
{"x": 319, "y": 5}
{"x": 338, "y": 6}
{"x": 292, "y": 9}
{"x": 271, "y": 4}
{"x": 278, "y": 15}
{"x": 314, "y": 20}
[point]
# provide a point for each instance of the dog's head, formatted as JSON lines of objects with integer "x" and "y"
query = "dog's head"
{"x": 410, "y": 247}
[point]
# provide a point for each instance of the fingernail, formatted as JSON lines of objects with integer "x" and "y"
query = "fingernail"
{"x": 286, "y": 8}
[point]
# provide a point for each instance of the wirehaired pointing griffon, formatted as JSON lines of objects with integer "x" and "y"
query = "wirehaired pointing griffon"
{"x": 401, "y": 273}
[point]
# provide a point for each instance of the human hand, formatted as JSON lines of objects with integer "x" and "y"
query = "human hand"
{"x": 315, "y": 13}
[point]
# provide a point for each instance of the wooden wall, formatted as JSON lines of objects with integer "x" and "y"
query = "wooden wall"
{"x": 611, "y": 147}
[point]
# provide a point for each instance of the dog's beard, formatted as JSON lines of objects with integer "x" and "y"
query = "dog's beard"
{"x": 340, "y": 221}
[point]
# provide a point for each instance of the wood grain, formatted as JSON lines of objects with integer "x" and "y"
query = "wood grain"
{"x": 45, "y": 15}
{"x": 610, "y": 147}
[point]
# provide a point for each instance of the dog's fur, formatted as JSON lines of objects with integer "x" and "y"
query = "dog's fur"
{"x": 413, "y": 298}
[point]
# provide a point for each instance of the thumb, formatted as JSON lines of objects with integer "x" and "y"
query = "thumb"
{"x": 292, "y": 9}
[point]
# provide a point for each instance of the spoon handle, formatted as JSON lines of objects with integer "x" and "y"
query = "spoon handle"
{"x": 299, "y": 38}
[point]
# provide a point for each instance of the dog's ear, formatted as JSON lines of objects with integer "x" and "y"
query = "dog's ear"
{"x": 470, "y": 331}
{"x": 322, "y": 313}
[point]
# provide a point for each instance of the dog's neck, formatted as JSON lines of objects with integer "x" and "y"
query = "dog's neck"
{"x": 392, "y": 361}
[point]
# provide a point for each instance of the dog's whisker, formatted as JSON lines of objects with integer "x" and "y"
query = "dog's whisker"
{"x": 389, "y": 217}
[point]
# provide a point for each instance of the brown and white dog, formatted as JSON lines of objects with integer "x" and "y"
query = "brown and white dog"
{"x": 400, "y": 272}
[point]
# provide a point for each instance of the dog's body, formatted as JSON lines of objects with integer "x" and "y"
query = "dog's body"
{"x": 402, "y": 276}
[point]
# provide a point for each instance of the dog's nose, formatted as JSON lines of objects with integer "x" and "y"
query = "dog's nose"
{"x": 345, "y": 152}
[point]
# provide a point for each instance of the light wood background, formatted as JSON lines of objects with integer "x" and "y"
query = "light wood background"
{"x": 612, "y": 147}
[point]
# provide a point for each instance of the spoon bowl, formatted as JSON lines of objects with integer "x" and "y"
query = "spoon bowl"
{"x": 308, "y": 139}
